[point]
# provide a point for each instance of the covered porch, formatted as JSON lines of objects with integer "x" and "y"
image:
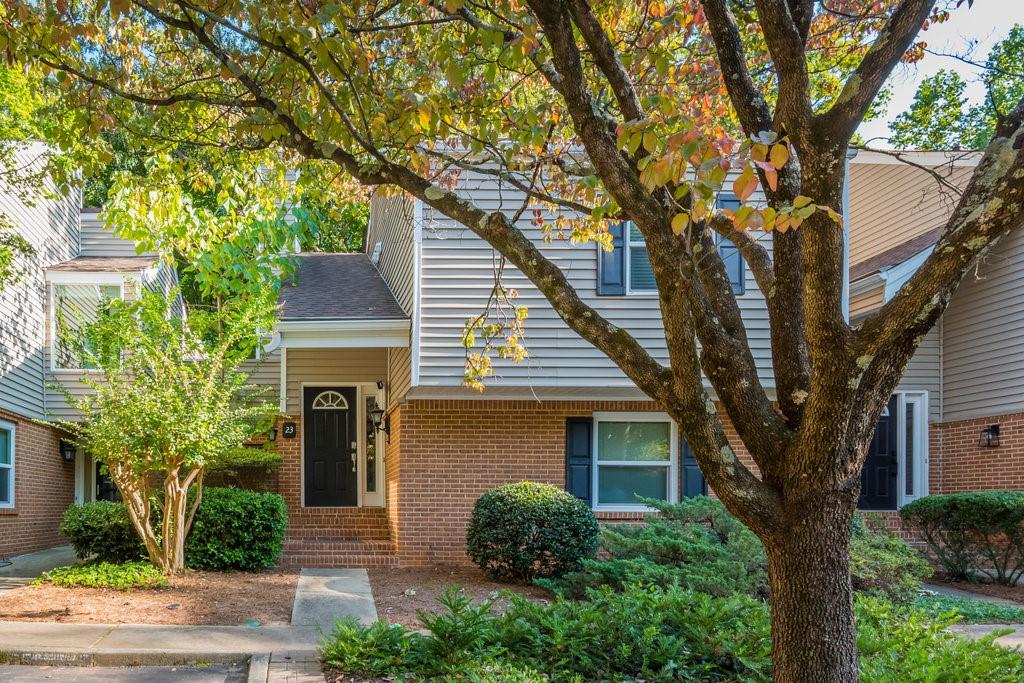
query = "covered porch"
{"x": 339, "y": 330}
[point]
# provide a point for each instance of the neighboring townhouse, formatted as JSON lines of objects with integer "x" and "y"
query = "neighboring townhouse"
{"x": 384, "y": 448}
{"x": 956, "y": 421}
{"x": 77, "y": 264}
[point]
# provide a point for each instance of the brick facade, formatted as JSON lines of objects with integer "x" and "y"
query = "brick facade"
{"x": 44, "y": 488}
{"x": 962, "y": 464}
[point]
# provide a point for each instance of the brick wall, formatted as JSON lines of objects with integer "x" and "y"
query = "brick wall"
{"x": 452, "y": 451}
{"x": 963, "y": 465}
{"x": 44, "y": 488}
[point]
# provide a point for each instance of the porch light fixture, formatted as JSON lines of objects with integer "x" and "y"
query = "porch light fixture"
{"x": 272, "y": 434}
{"x": 67, "y": 451}
{"x": 379, "y": 421}
{"x": 990, "y": 437}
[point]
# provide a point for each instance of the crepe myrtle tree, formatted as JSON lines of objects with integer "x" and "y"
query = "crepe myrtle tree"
{"x": 168, "y": 400}
{"x": 601, "y": 111}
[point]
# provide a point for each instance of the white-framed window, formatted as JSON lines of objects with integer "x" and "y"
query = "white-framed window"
{"x": 635, "y": 454}
{"x": 7, "y": 430}
{"x": 75, "y": 307}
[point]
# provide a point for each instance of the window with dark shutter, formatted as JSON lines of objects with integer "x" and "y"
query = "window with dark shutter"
{"x": 730, "y": 254}
{"x": 611, "y": 265}
{"x": 693, "y": 478}
{"x": 578, "y": 458}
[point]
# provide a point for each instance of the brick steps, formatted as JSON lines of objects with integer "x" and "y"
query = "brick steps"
{"x": 338, "y": 551}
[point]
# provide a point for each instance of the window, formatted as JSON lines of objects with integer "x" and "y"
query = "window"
{"x": 633, "y": 456}
{"x": 641, "y": 277}
{"x": 6, "y": 464}
{"x": 75, "y": 308}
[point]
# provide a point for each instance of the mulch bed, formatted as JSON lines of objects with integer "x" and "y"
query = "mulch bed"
{"x": 195, "y": 597}
{"x": 400, "y": 593}
{"x": 994, "y": 590}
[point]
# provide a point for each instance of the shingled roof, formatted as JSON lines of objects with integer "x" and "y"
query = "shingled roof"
{"x": 105, "y": 264}
{"x": 337, "y": 287}
{"x": 896, "y": 255}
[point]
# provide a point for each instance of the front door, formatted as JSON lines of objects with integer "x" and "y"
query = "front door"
{"x": 878, "y": 481}
{"x": 330, "y": 444}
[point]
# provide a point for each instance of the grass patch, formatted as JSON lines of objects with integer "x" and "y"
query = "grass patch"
{"x": 123, "y": 576}
{"x": 969, "y": 610}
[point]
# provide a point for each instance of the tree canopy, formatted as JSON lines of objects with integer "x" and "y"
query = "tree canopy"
{"x": 940, "y": 117}
{"x": 596, "y": 112}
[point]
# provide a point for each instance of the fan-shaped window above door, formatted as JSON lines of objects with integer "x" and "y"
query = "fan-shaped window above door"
{"x": 330, "y": 400}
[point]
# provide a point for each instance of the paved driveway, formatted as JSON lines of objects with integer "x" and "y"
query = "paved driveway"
{"x": 215, "y": 673}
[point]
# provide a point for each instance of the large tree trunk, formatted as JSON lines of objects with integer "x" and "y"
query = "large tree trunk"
{"x": 813, "y": 633}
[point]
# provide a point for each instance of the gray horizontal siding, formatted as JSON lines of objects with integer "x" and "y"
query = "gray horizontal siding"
{"x": 97, "y": 240}
{"x": 399, "y": 374}
{"x": 456, "y": 279}
{"x": 391, "y": 225}
{"x": 51, "y": 226}
{"x": 983, "y": 337}
{"x": 924, "y": 372}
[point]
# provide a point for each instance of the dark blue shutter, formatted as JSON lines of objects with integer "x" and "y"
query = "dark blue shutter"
{"x": 578, "y": 459}
{"x": 693, "y": 478}
{"x": 611, "y": 265}
{"x": 730, "y": 254}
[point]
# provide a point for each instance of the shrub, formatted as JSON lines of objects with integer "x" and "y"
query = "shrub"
{"x": 884, "y": 564}
{"x": 969, "y": 611}
{"x": 655, "y": 635}
{"x": 696, "y": 544}
{"x": 122, "y": 576}
{"x": 521, "y": 531}
{"x": 102, "y": 530}
{"x": 236, "y": 529}
{"x": 973, "y": 534}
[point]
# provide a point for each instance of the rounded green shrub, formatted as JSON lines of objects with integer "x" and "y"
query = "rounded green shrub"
{"x": 974, "y": 534}
{"x": 236, "y": 529}
{"x": 103, "y": 531}
{"x": 883, "y": 564}
{"x": 518, "y": 532}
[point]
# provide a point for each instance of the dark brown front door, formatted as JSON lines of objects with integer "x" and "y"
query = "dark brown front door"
{"x": 878, "y": 480}
{"x": 330, "y": 444}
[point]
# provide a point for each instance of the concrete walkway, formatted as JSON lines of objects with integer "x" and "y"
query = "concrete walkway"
{"x": 24, "y": 568}
{"x": 968, "y": 595}
{"x": 325, "y": 595}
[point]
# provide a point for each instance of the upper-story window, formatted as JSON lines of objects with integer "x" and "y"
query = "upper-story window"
{"x": 75, "y": 308}
{"x": 627, "y": 268}
{"x": 6, "y": 464}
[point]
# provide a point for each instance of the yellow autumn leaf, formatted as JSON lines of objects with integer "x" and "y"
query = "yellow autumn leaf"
{"x": 779, "y": 155}
{"x": 800, "y": 201}
{"x": 679, "y": 223}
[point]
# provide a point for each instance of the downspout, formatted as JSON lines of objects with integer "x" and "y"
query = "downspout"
{"x": 845, "y": 211}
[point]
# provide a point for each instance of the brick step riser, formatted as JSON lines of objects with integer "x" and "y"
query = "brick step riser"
{"x": 343, "y": 562}
{"x": 334, "y": 532}
{"x": 339, "y": 548}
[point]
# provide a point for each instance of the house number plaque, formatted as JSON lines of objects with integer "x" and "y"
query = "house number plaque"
{"x": 288, "y": 430}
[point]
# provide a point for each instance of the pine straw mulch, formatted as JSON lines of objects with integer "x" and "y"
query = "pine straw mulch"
{"x": 400, "y": 593}
{"x": 194, "y": 597}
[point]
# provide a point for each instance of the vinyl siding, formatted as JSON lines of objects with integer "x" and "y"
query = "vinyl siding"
{"x": 391, "y": 224}
{"x": 51, "y": 226}
{"x": 892, "y": 203}
{"x": 325, "y": 366}
{"x": 97, "y": 240}
{"x": 399, "y": 374}
{"x": 457, "y": 277}
{"x": 983, "y": 337}
{"x": 924, "y": 372}
{"x": 867, "y": 301}
{"x": 266, "y": 372}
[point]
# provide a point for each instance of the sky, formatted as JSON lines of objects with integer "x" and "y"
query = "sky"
{"x": 985, "y": 24}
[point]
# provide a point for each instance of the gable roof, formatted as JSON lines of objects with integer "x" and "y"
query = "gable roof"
{"x": 895, "y": 255}
{"x": 337, "y": 287}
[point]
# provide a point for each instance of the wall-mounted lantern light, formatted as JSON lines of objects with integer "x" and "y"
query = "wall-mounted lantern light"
{"x": 67, "y": 451}
{"x": 379, "y": 421}
{"x": 990, "y": 437}
{"x": 272, "y": 434}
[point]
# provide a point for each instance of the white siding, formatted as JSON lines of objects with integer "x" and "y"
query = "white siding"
{"x": 51, "y": 226}
{"x": 97, "y": 240}
{"x": 457, "y": 276}
{"x": 983, "y": 337}
{"x": 391, "y": 224}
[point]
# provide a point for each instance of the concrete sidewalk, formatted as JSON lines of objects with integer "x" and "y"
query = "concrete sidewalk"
{"x": 24, "y": 568}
